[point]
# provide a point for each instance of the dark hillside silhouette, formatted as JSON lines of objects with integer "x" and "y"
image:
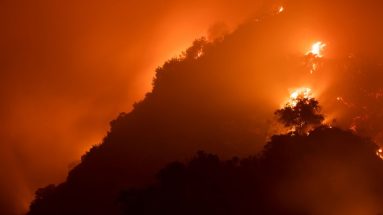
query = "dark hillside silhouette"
{"x": 195, "y": 105}
{"x": 330, "y": 171}
{"x": 219, "y": 98}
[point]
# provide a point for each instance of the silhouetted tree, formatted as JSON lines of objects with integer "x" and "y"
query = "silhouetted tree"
{"x": 302, "y": 116}
{"x": 42, "y": 194}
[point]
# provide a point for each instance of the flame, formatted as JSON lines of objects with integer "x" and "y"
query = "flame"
{"x": 314, "y": 55}
{"x": 199, "y": 54}
{"x": 281, "y": 9}
{"x": 379, "y": 153}
{"x": 317, "y": 49}
{"x": 303, "y": 92}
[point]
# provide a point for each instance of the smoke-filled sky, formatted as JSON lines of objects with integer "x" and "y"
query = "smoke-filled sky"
{"x": 69, "y": 67}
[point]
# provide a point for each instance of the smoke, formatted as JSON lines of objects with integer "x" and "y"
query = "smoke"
{"x": 68, "y": 67}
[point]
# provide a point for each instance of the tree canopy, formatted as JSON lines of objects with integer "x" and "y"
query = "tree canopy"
{"x": 295, "y": 175}
{"x": 301, "y": 116}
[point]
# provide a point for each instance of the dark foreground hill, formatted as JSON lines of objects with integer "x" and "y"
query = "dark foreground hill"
{"x": 328, "y": 172}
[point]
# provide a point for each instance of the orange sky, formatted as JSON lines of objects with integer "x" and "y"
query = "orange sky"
{"x": 69, "y": 67}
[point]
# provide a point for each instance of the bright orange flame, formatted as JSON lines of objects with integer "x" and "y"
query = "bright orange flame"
{"x": 379, "y": 153}
{"x": 303, "y": 92}
{"x": 281, "y": 9}
{"x": 314, "y": 54}
{"x": 317, "y": 49}
{"x": 199, "y": 54}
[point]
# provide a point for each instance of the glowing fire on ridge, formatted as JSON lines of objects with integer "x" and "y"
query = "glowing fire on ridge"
{"x": 317, "y": 49}
{"x": 379, "y": 153}
{"x": 314, "y": 55}
{"x": 300, "y": 93}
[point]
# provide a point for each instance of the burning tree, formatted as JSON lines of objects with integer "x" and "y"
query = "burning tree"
{"x": 301, "y": 113}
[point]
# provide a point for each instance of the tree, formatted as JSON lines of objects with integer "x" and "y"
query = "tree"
{"x": 278, "y": 181}
{"x": 301, "y": 116}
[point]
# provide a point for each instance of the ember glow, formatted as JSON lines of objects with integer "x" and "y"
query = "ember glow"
{"x": 199, "y": 54}
{"x": 379, "y": 153}
{"x": 314, "y": 55}
{"x": 303, "y": 92}
{"x": 317, "y": 49}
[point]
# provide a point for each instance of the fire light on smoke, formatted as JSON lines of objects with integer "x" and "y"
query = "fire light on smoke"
{"x": 300, "y": 93}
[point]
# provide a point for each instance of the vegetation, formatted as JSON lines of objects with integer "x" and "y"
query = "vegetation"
{"x": 302, "y": 116}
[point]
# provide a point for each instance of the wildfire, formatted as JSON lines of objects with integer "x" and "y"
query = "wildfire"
{"x": 199, "y": 54}
{"x": 317, "y": 49}
{"x": 314, "y": 55}
{"x": 303, "y": 92}
{"x": 281, "y": 9}
{"x": 379, "y": 153}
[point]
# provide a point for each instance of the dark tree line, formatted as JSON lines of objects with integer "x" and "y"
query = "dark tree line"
{"x": 296, "y": 174}
{"x": 314, "y": 170}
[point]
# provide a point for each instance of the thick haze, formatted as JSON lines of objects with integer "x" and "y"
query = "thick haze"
{"x": 67, "y": 68}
